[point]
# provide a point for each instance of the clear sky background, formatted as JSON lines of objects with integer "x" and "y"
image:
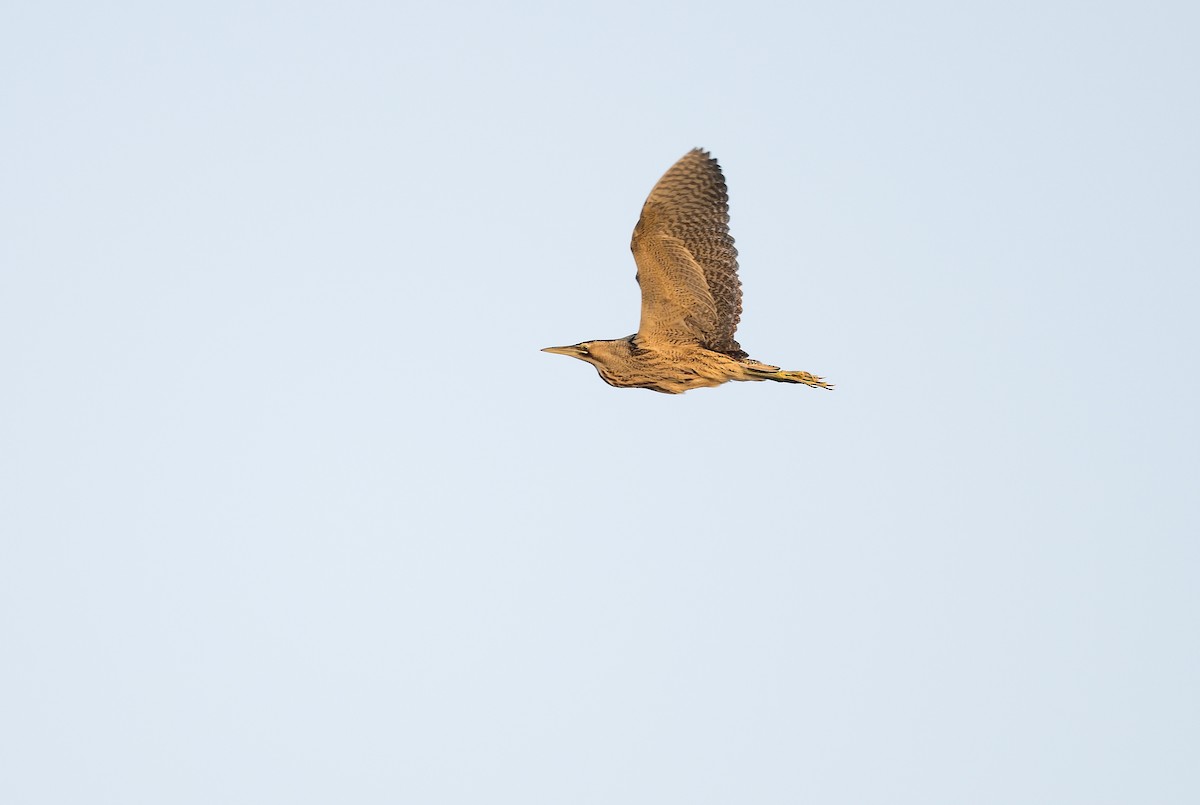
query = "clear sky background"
{"x": 294, "y": 510}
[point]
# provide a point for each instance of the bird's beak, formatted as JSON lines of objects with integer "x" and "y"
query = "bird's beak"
{"x": 569, "y": 351}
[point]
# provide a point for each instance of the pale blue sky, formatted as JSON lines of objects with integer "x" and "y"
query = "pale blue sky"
{"x": 295, "y": 511}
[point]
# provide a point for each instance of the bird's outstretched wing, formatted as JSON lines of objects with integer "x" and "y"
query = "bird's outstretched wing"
{"x": 687, "y": 265}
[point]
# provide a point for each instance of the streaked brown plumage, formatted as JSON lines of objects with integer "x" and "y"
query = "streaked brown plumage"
{"x": 691, "y": 295}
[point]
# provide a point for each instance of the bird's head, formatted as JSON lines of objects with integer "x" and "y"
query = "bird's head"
{"x": 601, "y": 354}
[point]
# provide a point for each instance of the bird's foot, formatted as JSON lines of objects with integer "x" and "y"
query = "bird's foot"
{"x": 805, "y": 378}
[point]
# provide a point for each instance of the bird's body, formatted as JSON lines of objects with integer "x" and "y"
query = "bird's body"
{"x": 691, "y": 295}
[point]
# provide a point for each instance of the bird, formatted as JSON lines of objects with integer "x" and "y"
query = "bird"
{"x": 691, "y": 296}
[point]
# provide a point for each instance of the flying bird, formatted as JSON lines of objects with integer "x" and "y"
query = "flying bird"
{"x": 691, "y": 295}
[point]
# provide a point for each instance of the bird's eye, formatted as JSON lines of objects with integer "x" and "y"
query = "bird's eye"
{"x": 584, "y": 350}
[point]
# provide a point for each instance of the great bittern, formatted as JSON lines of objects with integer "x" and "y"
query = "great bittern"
{"x": 691, "y": 295}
